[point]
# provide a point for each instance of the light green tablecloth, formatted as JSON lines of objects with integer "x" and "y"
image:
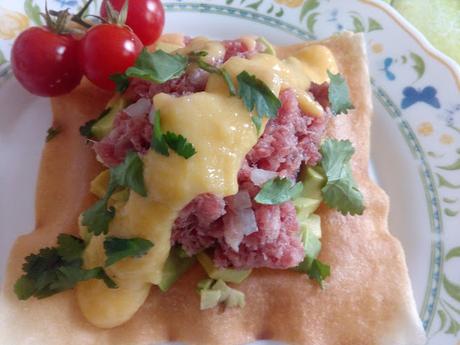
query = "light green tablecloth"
{"x": 438, "y": 20}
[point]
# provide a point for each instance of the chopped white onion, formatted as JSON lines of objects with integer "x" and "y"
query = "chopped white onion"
{"x": 141, "y": 107}
{"x": 260, "y": 176}
{"x": 247, "y": 221}
{"x": 240, "y": 219}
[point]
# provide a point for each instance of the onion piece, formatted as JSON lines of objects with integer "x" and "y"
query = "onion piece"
{"x": 141, "y": 107}
{"x": 240, "y": 219}
{"x": 260, "y": 176}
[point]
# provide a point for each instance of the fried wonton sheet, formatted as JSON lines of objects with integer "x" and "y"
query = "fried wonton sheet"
{"x": 367, "y": 299}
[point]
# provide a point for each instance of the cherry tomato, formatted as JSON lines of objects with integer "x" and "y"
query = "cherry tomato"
{"x": 107, "y": 49}
{"x": 46, "y": 63}
{"x": 145, "y": 17}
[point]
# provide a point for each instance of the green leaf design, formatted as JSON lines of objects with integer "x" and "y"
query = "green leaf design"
{"x": 357, "y": 24}
{"x": 443, "y": 318}
{"x": 311, "y": 21}
{"x": 434, "y": 154}
{"x": 255, "y": 5}
{"x": 452, "y": 289}
{"x": 419, "y": 65}
{"x": 450, "y": 201}
{"x": 279, "y": 13}
{"x": 33, "y": 12}
{"x": 228, "y": 2}
{"x": 453, "y": 166}
{"x": 450, "y": 213}
{"x": 270, "y": 10}
{"x": 373, "y": 25}
{"x": 308, "y": 6}
{"x": 454, "y": 327}
{"x": 442, "y": 182}
{"x": 453, "y": 253}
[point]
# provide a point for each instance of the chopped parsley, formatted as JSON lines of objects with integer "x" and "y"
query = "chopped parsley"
{"x": 258, "y": 97}
{"x": 56, "y": 269}
{"x": 340, "y": 191}
{"x": 161, "y": 143}
{"x": 117, "y": 249}
{"x": 52, "y": 132}
{"x": 128, "y": 174}
{"x": 158, "y": 67}
{"x": 339, "y": 95}
{"x": 278, "y": 190}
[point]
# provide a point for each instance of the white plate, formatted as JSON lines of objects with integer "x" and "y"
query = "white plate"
{"x": 415, "y": 136}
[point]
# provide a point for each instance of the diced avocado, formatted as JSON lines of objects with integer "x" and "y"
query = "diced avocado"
{"x": 310, "y": 234}
{"x": 175, "y": 266}
{"x": 306, "y": 205}
{"x": 209, "y": 299}
{"x": 226, "y": 274}
{"x": 313, "y": 181}
{"x": 214, "y": 292}
{"x": 268, "y": 46}
{"x": 167, "y": 47}
{"x": 105, "y": 124}
{"x": 98, "y": 185}
{"x": 235, "y": 299}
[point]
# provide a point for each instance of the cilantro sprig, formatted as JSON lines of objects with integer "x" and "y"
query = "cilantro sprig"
{"x": 197, "y": 57}
{"x": 161, "y": 143}
{"x": 128, "y": 174}
{"x": 117, "y": 249}
{"x": 278, "y": 190}
{"x": 257, "y": 97}
{"x": 339, "y": 94}
{"x": 340, "y": 191}
{"x": 56, "y": 269}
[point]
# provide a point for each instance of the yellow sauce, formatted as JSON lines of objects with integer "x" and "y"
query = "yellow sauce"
{"x": 220, "y": 128}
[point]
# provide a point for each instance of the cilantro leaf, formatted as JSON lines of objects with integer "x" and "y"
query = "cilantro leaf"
{"x": 158, "y": 141}
{"x": 129, "y": 174}
{"x": 121, "y": 82}
{"x": 158, "y": 66}
{"x": 340, "y": 191}
{"x": 56, "y": 269}
{"x": 86, "y": 129}
{"x": 339, "y": 95}
{"x": 179, "y": 144}
{"x": 70, "y": 248}
{"x": 256, "y": 95}
{"x": 278, "y": 190}
{"x": 51, "y": 133}
{"x": 120, "y": 248}
{"x": 319, "y": 271}
{"x": 98, "y": 217}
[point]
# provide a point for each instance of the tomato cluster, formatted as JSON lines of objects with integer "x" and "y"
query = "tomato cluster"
{"x": 50, "y": 63}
